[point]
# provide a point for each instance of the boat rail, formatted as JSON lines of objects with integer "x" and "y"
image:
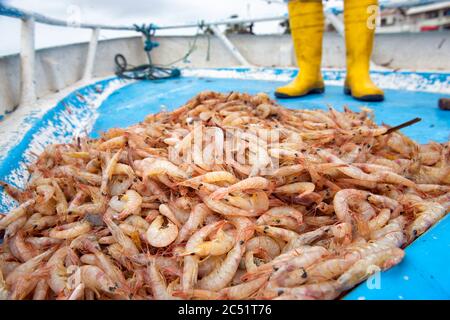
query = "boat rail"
{"x": 27, "y": 41}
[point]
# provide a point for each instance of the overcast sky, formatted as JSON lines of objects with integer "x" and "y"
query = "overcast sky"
{"x": 126, "y": 12}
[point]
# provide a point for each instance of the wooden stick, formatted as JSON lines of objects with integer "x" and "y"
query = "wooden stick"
{"x": 403, "y": 125}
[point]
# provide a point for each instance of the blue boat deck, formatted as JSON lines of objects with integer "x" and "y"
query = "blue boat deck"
{"x": 424, "y": 273}
{"x": 132, "y": 103}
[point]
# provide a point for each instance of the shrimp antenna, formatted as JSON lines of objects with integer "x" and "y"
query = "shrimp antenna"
{"x": 403, "y": 125}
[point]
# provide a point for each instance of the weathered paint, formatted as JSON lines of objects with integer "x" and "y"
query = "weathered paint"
{"x": 400, "y": 80}
{"x": 69, "y": 118}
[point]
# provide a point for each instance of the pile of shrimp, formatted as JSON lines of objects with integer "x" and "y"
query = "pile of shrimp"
{"x": 118, "y": 218}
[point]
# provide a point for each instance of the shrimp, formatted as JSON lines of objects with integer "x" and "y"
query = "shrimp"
{"x": 116, "y": 251}
{"x": 15, "y": 214}
{"x": 288, "y": 170}
{"x": 61, "y": 202}
{"x": 392, "y": 232}
{"x": 324, "y": 291}
{"x": 306, "y": 238}
{"x": 259, "y": 202}
{"x": 105, "y": 263}
{"x": 113, "y": 143}
{"x": 342, "y": 232}
{"x": 168, "y": 264}
{"x": 78, "y": 292}
{"x": 128, "y": 246}
{"x": 93, "y": 166}
{"x": 58, "y": 271}
{"x": 151, "y": 167}
{"x": 161, "y": 232}
{"x": 24, "y": 250}
{"x": 429, "y": 214}
{"x": 356, "y": 173}
{"x": 342, "y": 200}
{"x": 221, "y": 244}
{"x": 185, "y": 203}
{"x": 196, "y": 218}
{"x": 306, "y": 204}
{"x": 208, "y": 264}
{"x": 360, "y": 250}
{"x": 43, "y": 242}
{"x": 383, "y": 201}
{"x": 301, "y": 188}
{"x": 263, "y": 110}
{"x": 190, "y": 265}
{"x": 116, "y": 204}
{"x": 89, "y": 258}
{"x": 26, "y": 284}
{"x": 327, "y": 270}
{"x": 8, "y": 266}
{"x": 223, "y": 274}
{"x": 267, "y": 244}
{"x": 364, "y": 209}
{"x": 87, "y": 177}
{"x": 95, "y": 279}
{"x": 46, "y": 191}
{"x": 133, "y": 202}
{"x": 281, "y": 212}
{"x": 283, "y": 259}
{"x": 138, "y": 222}
{"x": 275, "y": 232}
{"x": 158, "y": 283}
{"x": 210, "y": 177}
{"x": 243, "y": 290}
{"x": 71, "y": 230}
{"x": 225, "y": 209}
{"x": 14, "y": 227}
{"x": 20, "y": 196}
{"x": 293, "y": 272}
{"x": 166, "y": 211}
{"x": 367, "y": 266}
{"x": 380, "y": 220}
{"x": 340, "y": 119}
{"x": 4, "y": 292}
{"x": 246, "y": 184}
{"x": 119, "y": 185}
{"x": 37, "y": 222}
{"x": 108, "y": 172}
{"x": 19, "y": 279}
{"x": 123, "y": 169}
{"x": 253, "y": 258}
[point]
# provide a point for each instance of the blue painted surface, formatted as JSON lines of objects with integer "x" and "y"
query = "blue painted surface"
{"x": 74, "y": 102}
{"x": 132, "y": 103}
{"x": 424, "y": 273}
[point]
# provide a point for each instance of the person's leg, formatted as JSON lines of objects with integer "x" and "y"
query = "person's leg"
{"x": 359, "y": 36}
{"x": 307, "y": 23}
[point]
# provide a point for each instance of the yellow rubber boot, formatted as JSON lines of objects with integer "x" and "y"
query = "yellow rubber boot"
{"x": 307, "y": 23}
{"x": 359, "y": 36}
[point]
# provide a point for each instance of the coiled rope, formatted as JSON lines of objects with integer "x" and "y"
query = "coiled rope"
{"x": 151, "y": 71}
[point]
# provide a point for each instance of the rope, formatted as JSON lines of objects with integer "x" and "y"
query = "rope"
{"x": 208, "y": 50}
{"x": 151, "y": 71}
{"x": 191, "y": 49}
